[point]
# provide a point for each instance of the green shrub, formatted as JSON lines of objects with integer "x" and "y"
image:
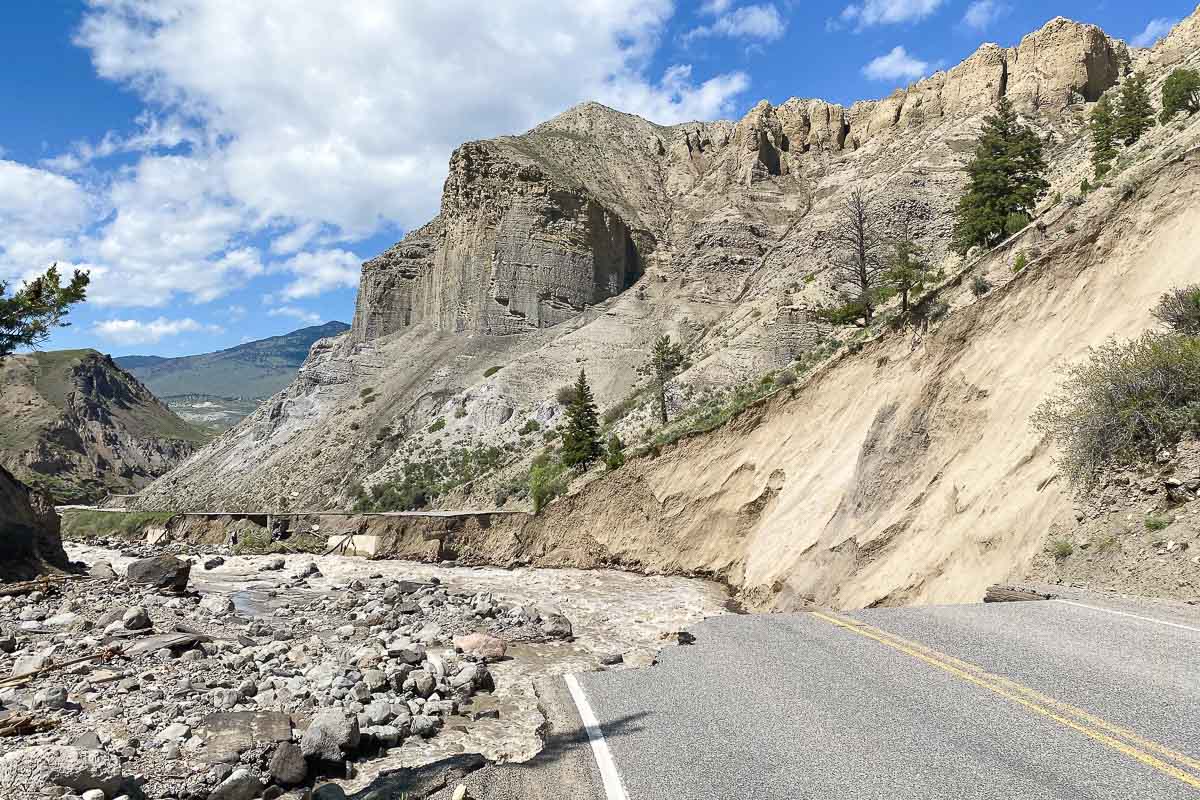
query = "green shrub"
{"x": 1061, "y": 548}
{"x": 437, "y": 425}
{"x": 1070, "y": 228}
{"x": 1015, "y": 223}
{"x": 548, "y": 479}
{"x": 565, "y": 395}
{"x": 490, "y": 371}
{"x": 614, "y": 455}
{"x": 1074, "y": 200}
{"x": 460, "y": 412}
{"x": 1021, "y": 262}
{"x": 421, "y": 481}
{"x": 785, "y": 378}
{"x": 1157, "y": 523}
{"x": 846, "y": 314}
{"x": 530, "y": 426}
{"x": 1180, "y": 309}
{"x": 1124, "y": 403}
{"x": 980, "y": 286}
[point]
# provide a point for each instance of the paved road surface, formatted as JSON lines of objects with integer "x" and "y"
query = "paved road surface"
{"x": 1033, "y": 700}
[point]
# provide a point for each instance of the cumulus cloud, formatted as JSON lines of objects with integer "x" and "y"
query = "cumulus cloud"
{"x": 982, "y": 13}
{"x": 41, "y": 213}
{"x": 759, "y": 22}
{"x": 895, "y": 65}
{"x": 132, "y": 331}
{"x": 320, "y": 271}
{"x": 308, "y": 317}
{"x": 1155, "y": 29}
{"x": 888, "y": 12}
{"x": 348, "y": 112}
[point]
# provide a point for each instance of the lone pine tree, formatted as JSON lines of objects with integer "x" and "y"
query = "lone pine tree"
{"x": 581, "y": 439}
{"x": 1005, "y": 181}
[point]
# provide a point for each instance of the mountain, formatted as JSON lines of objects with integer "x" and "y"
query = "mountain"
{"x": 76, "y": 424}
{"x": 897, "y": 465}
{"x": 218, "y": 389}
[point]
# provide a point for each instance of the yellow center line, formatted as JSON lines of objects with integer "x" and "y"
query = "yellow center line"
{"x": 978, "y": 677}
{"x": 1038, "y": 697}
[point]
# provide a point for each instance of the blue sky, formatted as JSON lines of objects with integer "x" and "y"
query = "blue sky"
{"x": 222, "y": 167}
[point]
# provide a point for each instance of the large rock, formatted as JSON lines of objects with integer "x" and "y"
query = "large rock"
{"x": 241, "y": 785}
{"x": 161, "y": 572}
{"x": 288, "y": 766}
{"x": 30, "y": 540}
{"x": 332, "y": 736}
{"x": 481, "y": 645}
{"x": 72, "y": 768}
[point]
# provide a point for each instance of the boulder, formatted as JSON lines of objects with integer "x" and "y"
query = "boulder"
{"x": 556, "y": 626}
{"x": 481, "y": 645}
{"x": 288, "y": 767}
{"x": 160, "y": 572}
{"x": 241, "y": 785}
{"x": 55, "y": 765}
{"x": 102, "y": 570}
{"x": 217, "y": 604}
{"x": 30, "y": 538}
{"x": 332, "y": 736}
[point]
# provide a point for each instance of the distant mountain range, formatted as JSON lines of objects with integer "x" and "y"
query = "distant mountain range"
{"x": 218, "y": 389}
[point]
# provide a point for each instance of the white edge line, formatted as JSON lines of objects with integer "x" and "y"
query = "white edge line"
{"x": 613, "y": 788}
{"x": 1133, "y": 616}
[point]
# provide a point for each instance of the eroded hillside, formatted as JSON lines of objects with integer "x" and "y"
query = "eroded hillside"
{"x": 79, "y": 426}
{"x": 904, "y": 470}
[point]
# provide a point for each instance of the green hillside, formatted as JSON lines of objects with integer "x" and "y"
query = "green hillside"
{"x": 252, "y": 371}
{"x": 73, "y": 422}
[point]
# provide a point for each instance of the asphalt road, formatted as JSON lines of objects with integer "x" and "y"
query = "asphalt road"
{"x": 1030, "y": 700}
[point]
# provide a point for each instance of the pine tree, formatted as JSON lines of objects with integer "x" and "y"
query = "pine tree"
{"x": 29, "y": 315}
{"x": 581, "y": 439}
{"x": 859, "y": 255}
{"x": 665, "y": 361}
{"x": 1180, "y": 92}
{"x": 907, "y": 271}
{"x": 1005, "y": 179}
{"x": 1103, "y": 150}
{"x": 1134, "y": 114}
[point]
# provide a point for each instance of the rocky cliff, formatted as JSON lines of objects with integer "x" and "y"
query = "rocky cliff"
{"x": 848, "y": 492}
{"x": 79, "y": 426}
{"x": 30, "y": 541}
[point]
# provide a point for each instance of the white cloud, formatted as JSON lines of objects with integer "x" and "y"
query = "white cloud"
{"x": 895, "y": 65}
{"x": 40, "y": 214}
{"x": 982, "y": 13}
{"x": 132, "y": 331}
{"x": 888, "y": 12}
{"x": 762, "y": 22}
{"x": 310, "y": 317}
{"x": 320, "y": 271}
{"x": 1155, "y": 29}
{"x": 345, "y": 113}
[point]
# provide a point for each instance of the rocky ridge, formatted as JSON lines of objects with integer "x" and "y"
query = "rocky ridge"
{"x": 76, "y": 424}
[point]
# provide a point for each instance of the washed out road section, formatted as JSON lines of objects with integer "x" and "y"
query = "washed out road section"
{"x": 793, "y": 706}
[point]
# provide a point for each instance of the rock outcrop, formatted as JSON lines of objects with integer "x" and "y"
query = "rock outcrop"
{"x": 78, "y": 425}
{"x": 30, "y": 542}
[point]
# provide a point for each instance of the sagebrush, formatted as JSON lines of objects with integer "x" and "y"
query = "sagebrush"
{"x": 1121, "y": 405}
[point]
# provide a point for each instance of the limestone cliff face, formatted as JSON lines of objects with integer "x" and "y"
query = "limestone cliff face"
{"x": 77, "y": 424}
{"x": 579, "y": 242}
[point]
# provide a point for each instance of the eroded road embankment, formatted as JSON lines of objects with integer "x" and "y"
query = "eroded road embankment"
{"x": 1053, "y": 700}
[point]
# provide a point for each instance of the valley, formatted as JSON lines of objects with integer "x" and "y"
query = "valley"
{"x": 832, "y": 451}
